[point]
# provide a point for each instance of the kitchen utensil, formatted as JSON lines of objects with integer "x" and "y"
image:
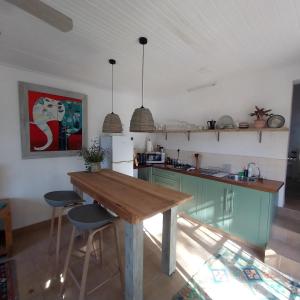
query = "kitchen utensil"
{"x": 225, "y": 122}
{"x": 211, "y": 124}
{"x": 178, "y": 153}
{"x": 197, "y": 160}
{"x": 276, "y": 121}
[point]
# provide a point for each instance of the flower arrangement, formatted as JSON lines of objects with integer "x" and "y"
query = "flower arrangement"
{"x": 92, "y": 156}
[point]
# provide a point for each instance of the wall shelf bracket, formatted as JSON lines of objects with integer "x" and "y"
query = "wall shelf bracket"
{"x": 218, "y": 135}
{"x": 259, "y": 136}
{"x": 188, "y": 133}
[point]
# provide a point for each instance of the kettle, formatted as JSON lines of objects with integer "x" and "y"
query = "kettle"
{"x": 253, "y": 170}
{"x": 149, "y": 146}
{"x": 211, "y": 124}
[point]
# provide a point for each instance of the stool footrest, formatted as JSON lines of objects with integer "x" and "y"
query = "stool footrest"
{"x": 74, "y": 278}
{"x": 102, "y": 283}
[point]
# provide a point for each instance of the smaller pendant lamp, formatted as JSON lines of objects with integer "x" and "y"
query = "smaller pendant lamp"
{"x": 112, "y": 122}
{"x": 142, "y": 120}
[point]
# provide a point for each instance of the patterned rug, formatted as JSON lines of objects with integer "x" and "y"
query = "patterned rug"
{"x": 234, "y": 274}
{"x": 8, "y": 286}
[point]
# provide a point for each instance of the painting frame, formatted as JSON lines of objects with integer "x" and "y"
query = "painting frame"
{"x": 24, "y": 89}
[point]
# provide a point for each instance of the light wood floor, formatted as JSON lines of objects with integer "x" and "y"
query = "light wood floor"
{"x": 35, "y": 268}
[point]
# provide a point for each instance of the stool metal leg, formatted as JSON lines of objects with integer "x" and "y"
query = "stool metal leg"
{"x": 67, "y": 262}
{"x": 86, "y": 266}
{"x": 60, "y": 212}
{"x": 51, "y": 229}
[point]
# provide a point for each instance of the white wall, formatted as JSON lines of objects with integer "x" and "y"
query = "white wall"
{"x": 236, "y": 96}
{"x": 26, "y": 181}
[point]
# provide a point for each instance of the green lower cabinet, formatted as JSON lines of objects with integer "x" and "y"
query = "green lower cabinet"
{"x": 166, "y": 182}
{"x": 166, "y": 178}
{"x": 145, "y": 173}
{"x": 252, "y": 215}
{"x": 211, "y": 202}
{"x": 190, "y": 185}
{"x": 242, "y": 212}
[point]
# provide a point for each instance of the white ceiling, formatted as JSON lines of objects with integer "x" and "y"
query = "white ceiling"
{"x": 191, "y": 42}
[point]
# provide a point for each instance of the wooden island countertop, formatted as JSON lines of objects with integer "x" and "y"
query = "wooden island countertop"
{"x": 132, "y": 199}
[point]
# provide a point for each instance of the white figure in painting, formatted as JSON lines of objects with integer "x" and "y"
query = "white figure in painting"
{"x": 44, "y": 110}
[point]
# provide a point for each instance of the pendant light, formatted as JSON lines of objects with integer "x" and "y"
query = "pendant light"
{"x": 142, "y": 120}
{"x": 112, "y": 122}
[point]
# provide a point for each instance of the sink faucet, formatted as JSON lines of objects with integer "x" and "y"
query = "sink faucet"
{"x": 251, "y": 170}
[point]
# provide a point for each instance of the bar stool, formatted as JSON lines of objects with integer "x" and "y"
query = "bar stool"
{"x": 94, "y": 219}
{"x": 59, "y": 200}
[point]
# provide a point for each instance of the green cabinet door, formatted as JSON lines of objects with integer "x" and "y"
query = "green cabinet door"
{"x": 165, "y": 173}
{"x": 190, "y": 185}
{"x": 166, "y": 178}
{"x": 212, "y": 195}
{"x": 145, "y": 173}
{"x": 166, "y": 182}
{"x": 252, "y": 214}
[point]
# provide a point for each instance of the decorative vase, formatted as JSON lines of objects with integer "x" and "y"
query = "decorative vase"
{"x": 260, "y": 123}
{"x": 94, "y": 167}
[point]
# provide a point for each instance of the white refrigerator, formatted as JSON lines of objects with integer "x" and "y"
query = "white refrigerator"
{"x": 118, "y": 153}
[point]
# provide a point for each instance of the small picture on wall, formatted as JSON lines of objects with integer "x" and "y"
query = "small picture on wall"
{"x": 53, "y": 121}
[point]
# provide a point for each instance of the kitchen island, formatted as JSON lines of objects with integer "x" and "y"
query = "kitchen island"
{"x": 134, "y": 200}
{"x": 244, "y": 210}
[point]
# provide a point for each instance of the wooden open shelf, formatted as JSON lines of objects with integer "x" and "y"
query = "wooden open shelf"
{"x": 219, "y": 131}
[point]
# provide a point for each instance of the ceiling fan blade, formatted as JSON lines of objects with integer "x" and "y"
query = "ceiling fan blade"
{"x": 46, "y": 13}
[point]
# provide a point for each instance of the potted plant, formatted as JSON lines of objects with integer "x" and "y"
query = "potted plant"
{"x": 260, "y": 113}
{"x": 93, "y": 156}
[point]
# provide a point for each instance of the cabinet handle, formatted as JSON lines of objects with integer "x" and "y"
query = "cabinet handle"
{"x": 231, "y": 202}
{"x": 225, "y": 201}
{"x": 228, "y": 202}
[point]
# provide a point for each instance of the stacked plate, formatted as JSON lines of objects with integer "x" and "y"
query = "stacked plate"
{"x": 225, "y": 122}
{"x": 243, "y": 125}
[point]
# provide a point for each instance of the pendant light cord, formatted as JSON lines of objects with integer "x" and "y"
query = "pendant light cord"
{"x": 143, "y": 76}
{"x": 112, "y": 88}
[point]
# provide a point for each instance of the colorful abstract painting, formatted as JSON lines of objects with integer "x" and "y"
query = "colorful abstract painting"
{"x": 53, "y": 121}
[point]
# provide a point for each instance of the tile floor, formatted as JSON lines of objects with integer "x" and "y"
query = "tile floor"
{"x": 36, "y": 274}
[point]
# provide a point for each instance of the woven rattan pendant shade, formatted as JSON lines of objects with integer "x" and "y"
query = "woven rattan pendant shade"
{"x": 112, "y": 122}
{"x": 142, "y": 120}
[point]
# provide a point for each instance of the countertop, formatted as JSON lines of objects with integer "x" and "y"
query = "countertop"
{"x": 265, "y": 185}
{"x": 132, "y": 199}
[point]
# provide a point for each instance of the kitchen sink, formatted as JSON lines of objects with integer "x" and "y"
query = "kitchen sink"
{"x": 241, "y": 178}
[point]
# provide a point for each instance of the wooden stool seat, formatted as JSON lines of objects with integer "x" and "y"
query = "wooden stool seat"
{"x": 94, "y": 219}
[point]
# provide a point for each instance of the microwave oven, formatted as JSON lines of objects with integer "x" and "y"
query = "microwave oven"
{"x": 155, "y": 157}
